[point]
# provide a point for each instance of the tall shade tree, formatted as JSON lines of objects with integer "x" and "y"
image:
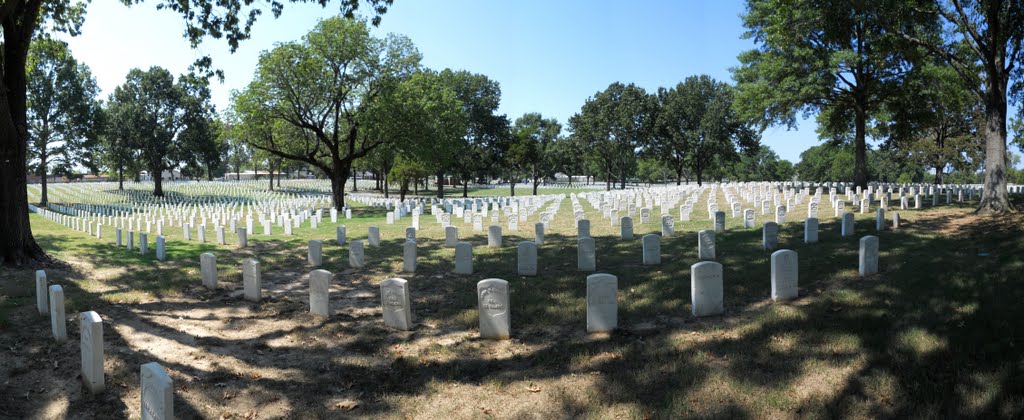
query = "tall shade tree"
{"x": 535, "y": 137}
{"x": 613, "y": 124}
{"x": 424, "y": 121}
{"x": 62, "y": 110}
{"x": 991, "y": 32}
{"x": 201, "y": 137}
{"x": 20, "y": 20}
{"x": 480, "y": 97}
{"x": 697, "y": 124}
{"x": 155, "y": 115}
{"x": 328, "y": 85}
{"x": 834, "y": 58}
{"x": 937, "y": 118}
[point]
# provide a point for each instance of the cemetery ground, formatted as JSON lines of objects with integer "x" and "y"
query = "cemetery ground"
{"x": 939, "y": 332}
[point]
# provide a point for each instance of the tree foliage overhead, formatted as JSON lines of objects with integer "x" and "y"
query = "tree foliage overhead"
{"x": 835, "y": 59}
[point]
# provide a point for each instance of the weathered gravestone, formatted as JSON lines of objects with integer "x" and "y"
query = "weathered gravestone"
{"x": 320, "y": 292}
{"x": 42, "y": 290}
{"x": 161, "y": 248}
{"x": 586, "y": 254}
{"x": 749, "y": 218}
{"x": 243, "y": 237}
{"x": 583, "y": 228}
{"x": 719, "y": 221}
{"x": 668, "y": 226}
{"x": 409, "y": 256}
{"x": 208, "y": 269}
{"x": 91, "y": 346}
{"x": 626, "y": 229}
{"x": 784, "y": 274}
{"x": 880, "y": 219}
{"x": 356, "y": 254}
{"x": 706, "y": 245}
{"x": 252, "y": 280}
{"x": 463, "y": 258}
{"x": 315, "y": 255}
{"x": 602, "y": 302}
{"x": 770, "y": 236}
{"x": 494, "y": 236}
{"x": 341, "y": 233}
{"x": 868, "y": 255}
{"x": 706, "y": 289}
{"x": 847, "y": 225}
{"x": 394, "y": 302}
{"x": 538, "y": 234}
{"x": 58, "y": 322}
{"x": 451, "y": 236}
{"x": 527, "y": 258}
{"x": 373, "y": 236}
{"x": 493, "y": 300}
{"x": 157, "y": 393}
{"x": 811, "y": 230}
{"x": 651, "y": 249}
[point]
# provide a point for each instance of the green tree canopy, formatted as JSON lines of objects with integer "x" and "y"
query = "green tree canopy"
{"x": 328, "y": 85}
{"x": 62, "y": 111}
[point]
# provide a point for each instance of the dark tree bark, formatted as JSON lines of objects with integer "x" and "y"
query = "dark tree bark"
{"x": 465, "y": 187}
{"x": 860, "y": 167}
{"x": 440, "y": 184}
{"x": 17, "y": 245}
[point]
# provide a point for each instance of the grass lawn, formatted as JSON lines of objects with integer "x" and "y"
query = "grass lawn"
{"x": 938, "y": 333}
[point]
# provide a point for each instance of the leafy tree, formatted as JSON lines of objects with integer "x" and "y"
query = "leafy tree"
{"x": 149, "y": 111}
{"x": 534, "y": 139}
{"x": 762, "y": 165}
{"x": 229, "y": 19}
{"x": 424, "y": 121}
{"x": 991, "y": 33}
{"x": 407, "y": 171}
{"x": 480, "y": 97}
{"x": 833, "y": 58}
{"x": 239, "y": 154}
{"x": 698, "y": 124}
{"x": 567, "y": 156}
{"x": 828, "y": 162}
{"x": 653, "y": 171}
{"x": 328, "y": 85}
{"x": 612, "y": 125}
{"x": 201, "y": 136}
{"x": 936, "y": 118}
{"x": 62, "y": 110}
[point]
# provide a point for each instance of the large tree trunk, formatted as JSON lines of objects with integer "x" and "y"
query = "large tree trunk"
{"x": 338, "y": 179}
{"x": 17, "y": 245}
{"x": 512, "y": 185}
{"x": 355, "y": 180}
{"x": 465, "y": 187}
{"x": 536, "y": 182}
{"x": 158, "y": 184}
{"x": 860, "y": 165}
{"x": 43, "y": 200}
{"x": 679, "y": 176}
{"x": 270, "y": 170}
{"x": 120, "y": 178}
{"x": 440, "y": 184}
{"x": 938, "y": 175}
{"x": 995, "y": 198}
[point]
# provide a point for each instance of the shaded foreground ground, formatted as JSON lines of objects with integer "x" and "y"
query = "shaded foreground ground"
{"x": 938, "y": 333}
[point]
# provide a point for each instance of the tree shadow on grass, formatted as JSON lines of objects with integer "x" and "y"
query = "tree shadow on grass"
{"x": 935, "y": 334}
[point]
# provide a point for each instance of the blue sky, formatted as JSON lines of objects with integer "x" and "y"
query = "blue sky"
{"x": 548, "y": 56}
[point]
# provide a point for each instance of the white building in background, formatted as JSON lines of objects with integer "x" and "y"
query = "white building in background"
{"x": 166, "y": 175}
